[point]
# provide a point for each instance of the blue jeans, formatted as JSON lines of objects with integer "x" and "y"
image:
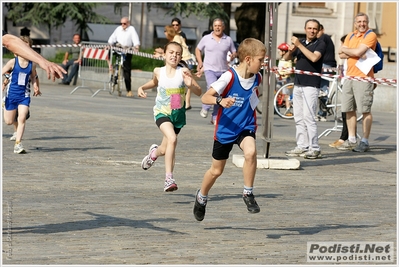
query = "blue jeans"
{"x": 74, "y": 70}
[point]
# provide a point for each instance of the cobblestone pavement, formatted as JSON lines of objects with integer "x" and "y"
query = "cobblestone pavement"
{"x": 79, "y": 195}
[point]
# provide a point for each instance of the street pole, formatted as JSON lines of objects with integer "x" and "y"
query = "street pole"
{"x": 269, "y": 78}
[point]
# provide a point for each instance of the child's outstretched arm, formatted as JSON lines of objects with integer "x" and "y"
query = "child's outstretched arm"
{"x": 191, "y": 83}
{"x": 148, "y": 85}
{"x": 35, "y": 81}
{"x": 7, "y": 68}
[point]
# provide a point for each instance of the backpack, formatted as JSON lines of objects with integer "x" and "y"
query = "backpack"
{"x": 378, "y": 50}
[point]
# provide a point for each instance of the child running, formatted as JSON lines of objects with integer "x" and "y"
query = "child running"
{"x": 17, "y": 99}
{"x": 236, "y": 92}
{"x": 169, "y": 110}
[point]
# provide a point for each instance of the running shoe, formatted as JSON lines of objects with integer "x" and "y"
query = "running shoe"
{"x": 19, "y": 149}
{"x": 199, "y": 210}
{"x": 170, "y": 185}
{"x": 13, "y": 137}
{"x": 250, "y": 201}
{"x": 147, "y": 161}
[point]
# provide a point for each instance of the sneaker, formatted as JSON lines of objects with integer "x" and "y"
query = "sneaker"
{"x": 288, "y": 112}
{"x": 213, "y": 120}
{"x": 336, "y": 143}
{"x": 204, "y": 113}
{"x": 19, "y": 149}
{"x": 147, "y": 161}
{"x": 170, "y": 185}
{"x": 312, "y": 154}
{"x": 347, "y": 145}
{"x": 129, "y": 94}
{"x": 321, "y": 118}
{"x": 296, "y": 152}
{"x": 199, "y": 210}
{"x": 362, "y": 147}
{"x": 13, "y": 137}
{"x": 250, "y": 201}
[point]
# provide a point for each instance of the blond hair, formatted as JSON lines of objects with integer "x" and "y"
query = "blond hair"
{"x": 250, "y": 47}
{"x": 170, "y": 31}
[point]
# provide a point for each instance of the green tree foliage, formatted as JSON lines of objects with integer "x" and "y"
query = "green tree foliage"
{"x": 55, "y": 15}
{"x": 208, "y": 10}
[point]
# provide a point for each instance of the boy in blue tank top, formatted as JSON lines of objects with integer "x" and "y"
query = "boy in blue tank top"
{"x": 236, "y": 93}
{"x": 17, "y": 100}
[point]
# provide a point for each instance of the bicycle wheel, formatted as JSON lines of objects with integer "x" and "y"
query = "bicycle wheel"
{"x": 336, "y": 110}
{"x": 279, "y": 102}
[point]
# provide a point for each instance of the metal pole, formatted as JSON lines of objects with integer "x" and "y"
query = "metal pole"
{"x": 269, "y": 79}
{"x": 130, "y": 12}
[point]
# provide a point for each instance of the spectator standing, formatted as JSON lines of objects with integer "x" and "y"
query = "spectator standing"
{"x": 358, "y": 94}
{"x": 176, "y": 23}
{"x": 329, "y": 62}
{"x": 17, "y": 99}
{"x": 72, "y": 63}
{"x": 344, "y": 133}
{"x": 17, "y": 46}
{"x": 309, "y": 57}
{"x": 236, "y": 91}
{"x": 171, "y": 81}
{"x": 126, "y": 37}
{"x": 215, "y": 46}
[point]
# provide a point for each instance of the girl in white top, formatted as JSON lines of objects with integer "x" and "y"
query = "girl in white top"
{"x": 172, "y": 82}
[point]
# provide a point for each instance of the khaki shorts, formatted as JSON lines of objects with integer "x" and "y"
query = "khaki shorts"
{"x": 357, "y": 95}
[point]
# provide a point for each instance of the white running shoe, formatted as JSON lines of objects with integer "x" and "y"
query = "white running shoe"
{"x": 13, "y": 137}
{"x": 204, "y": 113}
{"x": 147, "y": 161}
{"x": 170, "y": 185}
{"x": 19, "y": 149}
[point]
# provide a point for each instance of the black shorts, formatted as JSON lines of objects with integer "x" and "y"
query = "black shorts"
{"x": 222, "y": 151}
{"x": 161, "y": 120}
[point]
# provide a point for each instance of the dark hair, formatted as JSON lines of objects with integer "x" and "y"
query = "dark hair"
{"x": 321, "y": 27}
{"x": 313, "y": 20}
{"x": 177, "y": 20}
{"x": 343, "y": 38}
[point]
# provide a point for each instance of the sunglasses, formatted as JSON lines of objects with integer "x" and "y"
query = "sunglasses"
{"x": 175, "y": 24}
{"x": 123, "y": 23}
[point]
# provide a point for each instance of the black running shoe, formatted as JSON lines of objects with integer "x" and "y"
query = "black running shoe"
{"x": 250, "y": 201}
{"x": 199, "y": 210}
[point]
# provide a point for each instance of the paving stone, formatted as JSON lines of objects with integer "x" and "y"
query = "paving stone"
{"x": 79, "y": 195}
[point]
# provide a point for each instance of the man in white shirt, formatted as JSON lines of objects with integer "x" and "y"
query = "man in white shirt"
{"x": 126, "y": 37}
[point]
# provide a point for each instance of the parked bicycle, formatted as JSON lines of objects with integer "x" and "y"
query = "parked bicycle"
{"x": 332, "y": 106}
{"x": 116, "y": 79}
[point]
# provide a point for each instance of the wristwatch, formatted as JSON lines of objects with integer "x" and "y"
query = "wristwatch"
{"x": 218, "y": 100}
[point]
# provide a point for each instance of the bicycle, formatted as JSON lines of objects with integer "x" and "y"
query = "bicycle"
{"x": 279, "y": 102}
{"x": 332, "y": 106}
{"x": 116, "y": 78}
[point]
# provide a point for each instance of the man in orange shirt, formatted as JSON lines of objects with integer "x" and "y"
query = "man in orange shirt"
{"x": 358, "y": 94}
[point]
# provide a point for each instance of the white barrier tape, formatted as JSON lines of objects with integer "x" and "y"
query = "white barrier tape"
{"x": 57, "y": 45}
{"x": 383, "y": 81}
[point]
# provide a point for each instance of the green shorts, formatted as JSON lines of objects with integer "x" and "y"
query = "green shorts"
{"x": 177, "y": 118}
